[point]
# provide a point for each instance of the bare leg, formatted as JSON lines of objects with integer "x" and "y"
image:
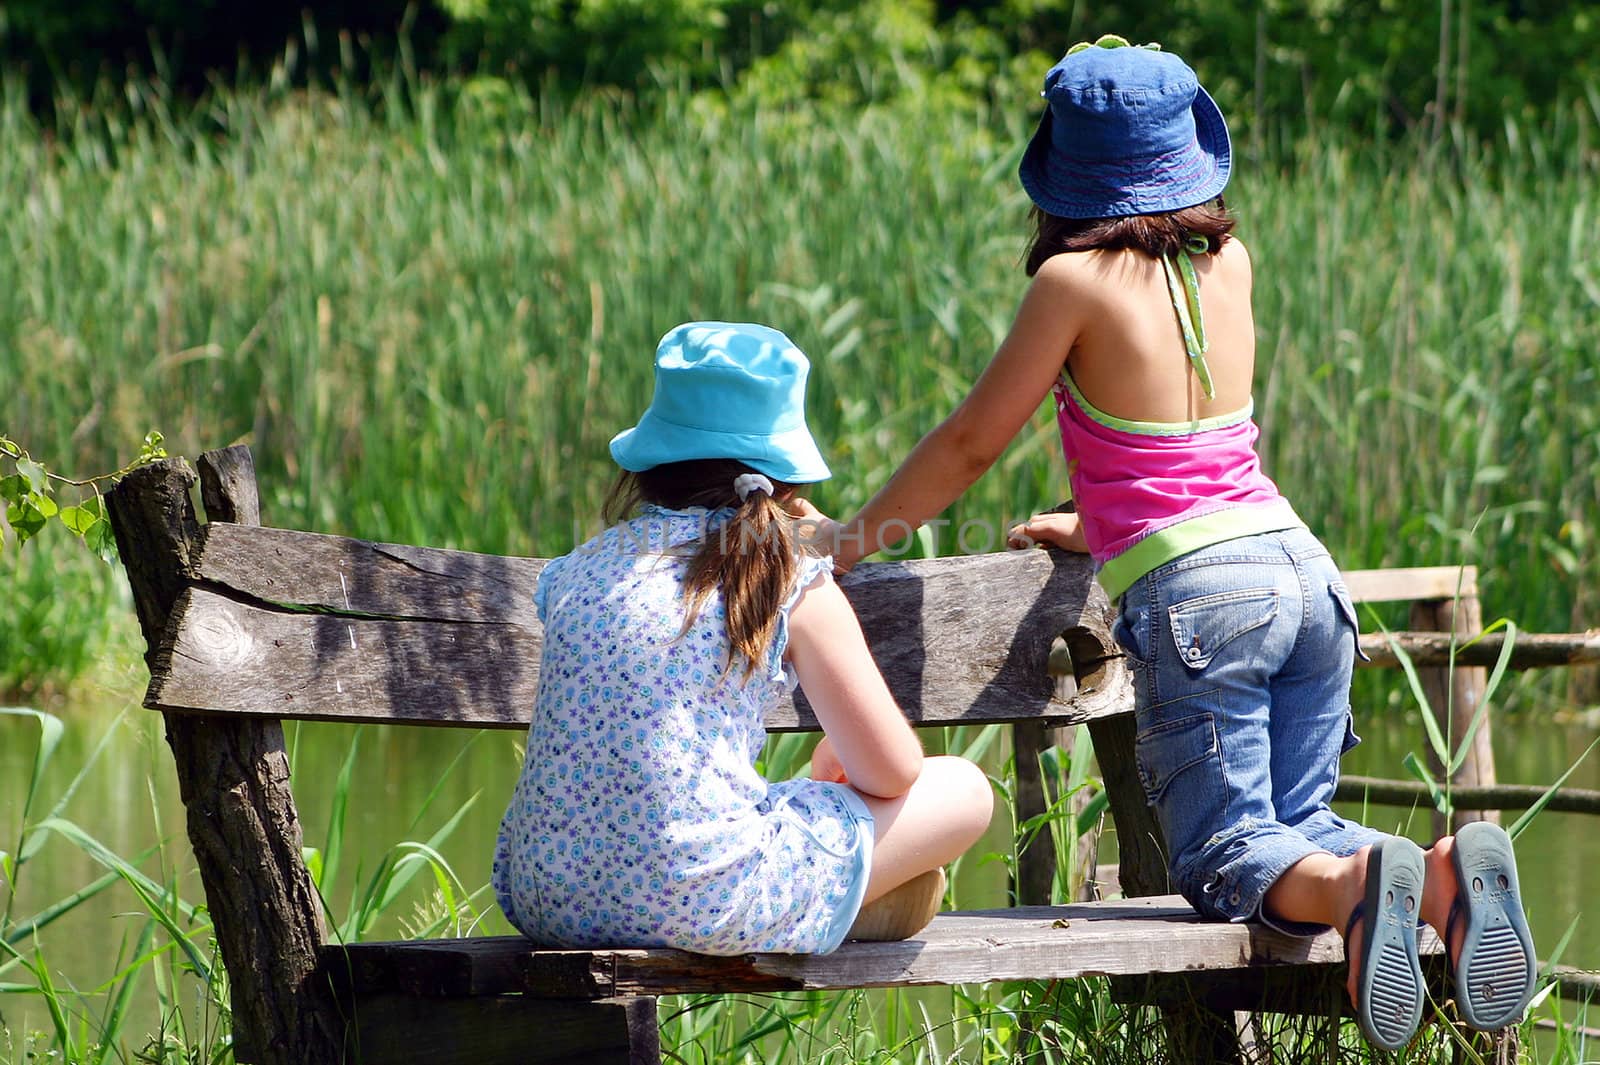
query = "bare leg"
{"x": 943, "y": 814}
{"x": 1323, "y": 889}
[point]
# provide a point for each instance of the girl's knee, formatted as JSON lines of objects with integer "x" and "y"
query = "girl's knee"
{"x": 964, "y": 791}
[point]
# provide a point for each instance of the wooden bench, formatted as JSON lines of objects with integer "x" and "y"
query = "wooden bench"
{"x": 249, "y": 625}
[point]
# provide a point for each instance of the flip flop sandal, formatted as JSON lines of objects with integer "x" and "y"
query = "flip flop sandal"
{"x": 1389, "y": 985}
{"x": 1494, "y": 970}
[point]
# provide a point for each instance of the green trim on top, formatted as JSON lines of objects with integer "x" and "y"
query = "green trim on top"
{"x": 1175, "y": 541}
{"x": 1188, "y": 428}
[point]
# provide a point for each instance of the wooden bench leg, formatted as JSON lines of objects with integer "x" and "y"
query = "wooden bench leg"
{"x": 502, "y": 1030}
{"x": 1195, "y": 1032}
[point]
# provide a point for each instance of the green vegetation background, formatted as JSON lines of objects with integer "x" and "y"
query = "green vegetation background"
{"x": 1363, "y": 63}
{"x": 429, "y": 299}
{"x": 421, "y": 267}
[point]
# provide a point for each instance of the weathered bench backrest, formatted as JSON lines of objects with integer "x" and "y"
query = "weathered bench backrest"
{"x": 290, "y": 624}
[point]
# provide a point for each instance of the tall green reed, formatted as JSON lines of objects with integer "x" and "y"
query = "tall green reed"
{"x": 169, "y": 947}
{"x": 429, "y": 310}
{"x": 156, "y": 990}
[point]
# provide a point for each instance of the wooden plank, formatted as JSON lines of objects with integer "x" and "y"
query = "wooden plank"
{"x": 1418, "y": 583}
{"x": 1530, "y": 650}
{"x": 439, "y": 637}
{"x": 1160, "y": 934}
{"x": 236, "y": 658}
{"x": 1493, "y": 797}
{"x": 1304, "y": 990}
{"x": 503, "y": 1030}
{"x": 337, "y": 575}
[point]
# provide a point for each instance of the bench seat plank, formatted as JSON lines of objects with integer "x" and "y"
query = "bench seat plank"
{"x": 301, "y": 625}
{"x": 1126, "y": 937}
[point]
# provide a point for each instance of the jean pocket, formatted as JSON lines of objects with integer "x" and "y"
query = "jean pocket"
{"x": 1203, "y": 626}
{"x": 1167, "y": 751}
{"x": 1131, "y": 629}
{"x": 1347, "y": 609}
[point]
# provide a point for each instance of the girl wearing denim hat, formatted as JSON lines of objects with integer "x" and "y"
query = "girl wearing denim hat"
{"x": 640, "y": 818}
{"x": 1241, "y": 632}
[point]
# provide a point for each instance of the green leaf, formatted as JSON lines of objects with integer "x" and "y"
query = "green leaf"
{"x": 152, "y": 449}
{"x": 34, "y": 474}
{"x": 1487, "y": 694}
{"x": 50, "y": 732}
{"x": 1092, "y": 811}
{"x": 1430, "y": 722}
{"x": 111, "y": 1027}
{"x": 334, "y": 845}
{"x": 313, "y": 862}
{"x": 61, "y": 907}
{"x": 27, "y": 518}
{"x": 102, "y": 541}
{"x": 14, "y": 489}
{"x": 77, "y": 519}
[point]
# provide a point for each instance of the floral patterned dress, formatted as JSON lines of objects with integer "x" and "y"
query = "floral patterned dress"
{"x": 640, "y": 818}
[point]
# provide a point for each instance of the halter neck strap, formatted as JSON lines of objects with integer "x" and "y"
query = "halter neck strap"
{"x": 1184, "y": 288}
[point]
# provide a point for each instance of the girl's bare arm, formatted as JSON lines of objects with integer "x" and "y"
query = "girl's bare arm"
{"x": 868, "y": 735}
{"x": 958, "y": 451}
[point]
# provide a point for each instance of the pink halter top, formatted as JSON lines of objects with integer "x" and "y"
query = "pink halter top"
{"x": 1150, "y": 492}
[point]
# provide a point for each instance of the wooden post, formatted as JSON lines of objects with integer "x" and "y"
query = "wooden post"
{"x": 1141, "y": 849}
{"x": 1461, "y": 691}
{"x": 1195, "y": 1032}
{"x": 233, "y": 776}
{"x": 1036, "y": 862}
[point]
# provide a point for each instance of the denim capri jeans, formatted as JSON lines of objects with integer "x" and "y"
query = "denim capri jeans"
{"x": 1241, "y": 655}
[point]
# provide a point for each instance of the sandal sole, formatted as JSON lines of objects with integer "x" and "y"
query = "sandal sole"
{"x": 1495, "y": 969}
{"x": 1389, "y": 987}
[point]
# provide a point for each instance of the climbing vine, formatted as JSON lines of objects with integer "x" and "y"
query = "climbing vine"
{"x": 29, "y": 492}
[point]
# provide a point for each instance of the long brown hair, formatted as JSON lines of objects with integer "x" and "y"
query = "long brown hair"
{"x": 752, "y": 558}
{"x": 1157, "y": 235}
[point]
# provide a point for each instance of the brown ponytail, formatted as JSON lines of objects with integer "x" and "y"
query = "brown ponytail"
{"x": 751, "y": 557}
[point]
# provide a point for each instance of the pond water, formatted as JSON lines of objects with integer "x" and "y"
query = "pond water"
{"x": 128, "y": 801}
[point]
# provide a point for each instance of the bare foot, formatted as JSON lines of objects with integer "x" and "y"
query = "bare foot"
{"x": 1439, "y": 891}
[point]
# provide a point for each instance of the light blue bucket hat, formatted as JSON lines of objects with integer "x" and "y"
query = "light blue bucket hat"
{"x": 727, "y": 390}
{"x": 1128, "y": 131}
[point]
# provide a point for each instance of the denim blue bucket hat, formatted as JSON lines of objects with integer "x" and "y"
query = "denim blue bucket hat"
{"x": 1128, "y": 131}
{"x": 727, "y": 390}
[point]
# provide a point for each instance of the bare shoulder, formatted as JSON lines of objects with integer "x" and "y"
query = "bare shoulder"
{"x": 1079, "y": 274}
{"x": 1234, "y": 255}
{"x": 1078, "y": 267}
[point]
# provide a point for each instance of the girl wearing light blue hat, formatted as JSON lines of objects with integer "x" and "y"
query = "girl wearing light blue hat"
{"x": 640, "y": 818}
{"x": 1242, "y": 635}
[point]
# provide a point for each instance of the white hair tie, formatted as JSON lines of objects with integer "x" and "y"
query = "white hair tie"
{"x": 746, "y": 483}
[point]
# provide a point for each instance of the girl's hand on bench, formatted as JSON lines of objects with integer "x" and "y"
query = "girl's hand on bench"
{"x": 815, "y": 529}
{"x": 1062, "y": 530}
